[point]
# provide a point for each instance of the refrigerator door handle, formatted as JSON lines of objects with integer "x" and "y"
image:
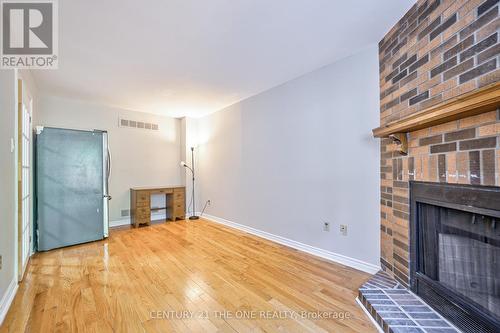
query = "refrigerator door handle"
{"x": 108, "y": 171}
{"x": 109, "y": 167}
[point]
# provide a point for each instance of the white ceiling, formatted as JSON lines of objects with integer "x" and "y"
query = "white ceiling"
{"x": 192, "y": 57}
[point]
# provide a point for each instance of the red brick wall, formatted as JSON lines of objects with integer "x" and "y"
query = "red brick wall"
{"x": 437, "y": 51}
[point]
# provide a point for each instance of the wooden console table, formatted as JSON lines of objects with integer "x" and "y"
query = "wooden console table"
{"x": 140, "y": 203}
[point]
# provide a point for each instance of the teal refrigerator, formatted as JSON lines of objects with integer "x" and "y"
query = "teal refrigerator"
{"x": 72, "y": 187}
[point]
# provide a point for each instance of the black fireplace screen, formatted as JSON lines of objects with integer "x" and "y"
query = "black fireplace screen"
{"x": 461, "y": 250}
{"x": 455, "y": 252}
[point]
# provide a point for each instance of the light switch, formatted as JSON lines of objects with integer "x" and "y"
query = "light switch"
{"x": 12, "y": 146}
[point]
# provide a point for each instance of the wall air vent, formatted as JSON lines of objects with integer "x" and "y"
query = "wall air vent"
{"x": 137, "y": 124}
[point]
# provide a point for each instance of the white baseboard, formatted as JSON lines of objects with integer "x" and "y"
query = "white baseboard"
{"x": 118, "y": 223}
{"x": 7, "y": 299}
{"x": 374, "y": 322}
{"x": 188, "y": 214}
{"x": 332, "y": 256}
{"x": 126, "y": 220}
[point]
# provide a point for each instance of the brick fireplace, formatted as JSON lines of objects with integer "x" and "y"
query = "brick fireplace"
{"x": 438, "y": 51}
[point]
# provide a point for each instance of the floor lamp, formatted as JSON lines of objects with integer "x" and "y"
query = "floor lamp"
{"x": 193, "y": 217}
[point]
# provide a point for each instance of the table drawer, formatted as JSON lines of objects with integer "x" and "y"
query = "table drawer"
{"x": 179, "y": 196}
{"x": 140, "y": 204}
{"x": 179, "y": 202}
{"x": 165, "y": 191}
{"x": 143, "y": 196}
{"x": 142, "y": 211}
{"x": 142, "y": 215}
{"x": 179, "y": 207}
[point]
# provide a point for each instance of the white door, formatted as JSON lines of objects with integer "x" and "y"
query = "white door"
{"x": 25, "y": 107}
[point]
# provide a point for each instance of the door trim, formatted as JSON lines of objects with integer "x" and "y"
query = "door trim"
{"x": 20, "y": 269}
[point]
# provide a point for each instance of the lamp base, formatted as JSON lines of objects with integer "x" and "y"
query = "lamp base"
{"x": 194, "y": 217}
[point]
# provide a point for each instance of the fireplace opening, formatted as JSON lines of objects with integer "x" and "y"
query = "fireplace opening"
{"x": 455, "y": 252}
{"x": 459, "y": 250}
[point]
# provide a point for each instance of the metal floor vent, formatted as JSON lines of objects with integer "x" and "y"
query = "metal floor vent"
{"x": 138, "y": 124}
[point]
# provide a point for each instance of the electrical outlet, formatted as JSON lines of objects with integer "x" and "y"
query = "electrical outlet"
{"x": 343, "y": 229}
{"x": 326, "y": 226}
{"x": 209, "y": 202}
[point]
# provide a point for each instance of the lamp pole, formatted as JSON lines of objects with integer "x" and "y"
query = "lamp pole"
{"x": 193, "y": 217}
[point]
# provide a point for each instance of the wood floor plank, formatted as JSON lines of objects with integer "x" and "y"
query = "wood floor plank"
{"x": 185, "y": 277}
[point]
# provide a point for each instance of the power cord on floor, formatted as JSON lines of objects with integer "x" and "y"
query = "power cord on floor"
{"x": 206, "y": 204}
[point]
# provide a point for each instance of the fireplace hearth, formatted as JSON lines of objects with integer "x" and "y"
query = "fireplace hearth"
{"x": 455, "y": 252}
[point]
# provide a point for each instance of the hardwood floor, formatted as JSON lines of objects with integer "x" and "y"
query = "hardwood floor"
{"x": 208, "y": 277}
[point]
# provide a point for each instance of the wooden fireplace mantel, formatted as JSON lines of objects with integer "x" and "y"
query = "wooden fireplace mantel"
{"x": 473, "y": 103}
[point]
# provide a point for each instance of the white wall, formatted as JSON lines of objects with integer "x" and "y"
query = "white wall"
{"x": 139, "y": 157}
{"x": 8, "y": 219}
{"x": 298, "y": 155}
